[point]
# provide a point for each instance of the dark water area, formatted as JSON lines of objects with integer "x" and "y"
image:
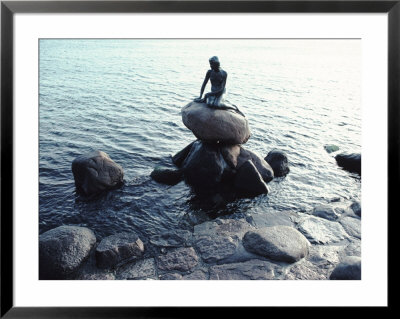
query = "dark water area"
{"x": 124, "y": 97}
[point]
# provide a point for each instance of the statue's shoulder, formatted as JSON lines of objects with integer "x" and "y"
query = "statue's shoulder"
{"x": 225, "y": 74}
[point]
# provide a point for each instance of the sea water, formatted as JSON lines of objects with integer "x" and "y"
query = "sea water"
{"x": 124, "y": 97}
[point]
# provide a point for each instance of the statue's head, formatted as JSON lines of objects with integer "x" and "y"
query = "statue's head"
{"x": 214, "y": 62}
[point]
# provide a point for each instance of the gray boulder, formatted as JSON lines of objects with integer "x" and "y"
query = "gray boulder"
{"x": 212, "y": 125}
{"x": 325, "y": 211}
{"x": 118, "y": 248}
{"x": 280, "y": 243}
{"x": 348, "y": 269}
{"x": 95, "y": 172}
{"x": 279, "y": 162}
{"x": 181, "y": 259}
{"x": 62, "y": 250}
{"x": 248, "y": 180}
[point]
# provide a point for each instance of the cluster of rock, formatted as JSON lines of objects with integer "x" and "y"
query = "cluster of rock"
{"x": 217, "y": 159}
{"x": 321, "y": 244}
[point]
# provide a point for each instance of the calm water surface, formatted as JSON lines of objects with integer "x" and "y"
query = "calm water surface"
{"x": 124, "y": 97}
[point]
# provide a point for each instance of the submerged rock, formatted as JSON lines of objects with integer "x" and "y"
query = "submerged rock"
{"x": 167, "y": 176}
{"x": 62, "y": 251}
{"x": 348, "y": 269}
{"x": 331, "y": 148}
{"x": 279, "y": 162}
{"x": 115, "y": 249}
{"x": 280, "y": 243}
{"x": 350, "y": 162}
{"x": 325, "y": 211}
{"x": 213, "y": 125}
{"x": 172, "y": 238}
{"x": 95, "y": 172}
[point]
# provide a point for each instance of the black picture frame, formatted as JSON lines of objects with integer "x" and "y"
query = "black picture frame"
{"x": 9, "y": 8}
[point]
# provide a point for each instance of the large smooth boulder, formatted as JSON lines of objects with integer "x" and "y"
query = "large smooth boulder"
{"x": 204, "y": 165}
{"x": 62, "y": 251}
{"x": 248, "y": 180}
{"x": 262, "y": 166}
{"x": 280, "y": 243}
{"x": 350, "y": 162}
{"x": 212, "y": 125}
{"x": 118, "y": 248}
{"x": 279, "y": 162}
{"x": 95, "y": 172}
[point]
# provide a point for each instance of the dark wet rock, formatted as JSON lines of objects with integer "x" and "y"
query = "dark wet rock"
{"x": 326, "y": 212}
{"x": 280, "y": 243}
{"x": 356, "y": 207}
{"x": 214, "y": 125}
{"x": 279, "y": 162}
{"x": 181, "y": 259}
{"x": 305, "y": 270}
{"x": 96, "y": 172}
{"x": 321, "y": 231}
{"x": 204, "y": 165}
{"x": 167, "y": 176}
{"x": 223, "y": 227}
{"x": 331, "y": 148}
{"x": 214, "y": 249}
{"x": 145, "y": 268}
{"x": 249, "y": 270}
{"x": 350, "y": 162}
{"x": 180, "y": 157}
{"x": 118, "y": 248}
{"x": 62, "y": 251}
{"x": 172, "y": 238}
{"x": 248, "y": 180}
{"x": 262, "y": 166}
{"x": 348, "y": 269}
{"x": 230, "y": 154}
{"x": 352, "y": 226}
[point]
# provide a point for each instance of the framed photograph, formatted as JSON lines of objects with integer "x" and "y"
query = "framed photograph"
{"x": 164, "y": 155}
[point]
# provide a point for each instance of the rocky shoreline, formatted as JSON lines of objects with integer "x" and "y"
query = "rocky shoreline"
{"x": 321, "y": 244}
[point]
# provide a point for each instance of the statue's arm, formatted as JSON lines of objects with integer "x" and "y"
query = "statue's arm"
{"x": 207, "y": 77}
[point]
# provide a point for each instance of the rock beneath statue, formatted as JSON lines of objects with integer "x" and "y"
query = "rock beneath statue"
{"x": 262, "y": 166}
{"x": 230, "y": 154}
{"x": 96, "y": 172}
{"x": 350, "y": 162}
{"x": 204, "y": 165}
{"x": 213, "y": 125}
{"x": 62, "y": 251}
{"x": 279, "y": 163}
{"x": 248, "y": 180}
